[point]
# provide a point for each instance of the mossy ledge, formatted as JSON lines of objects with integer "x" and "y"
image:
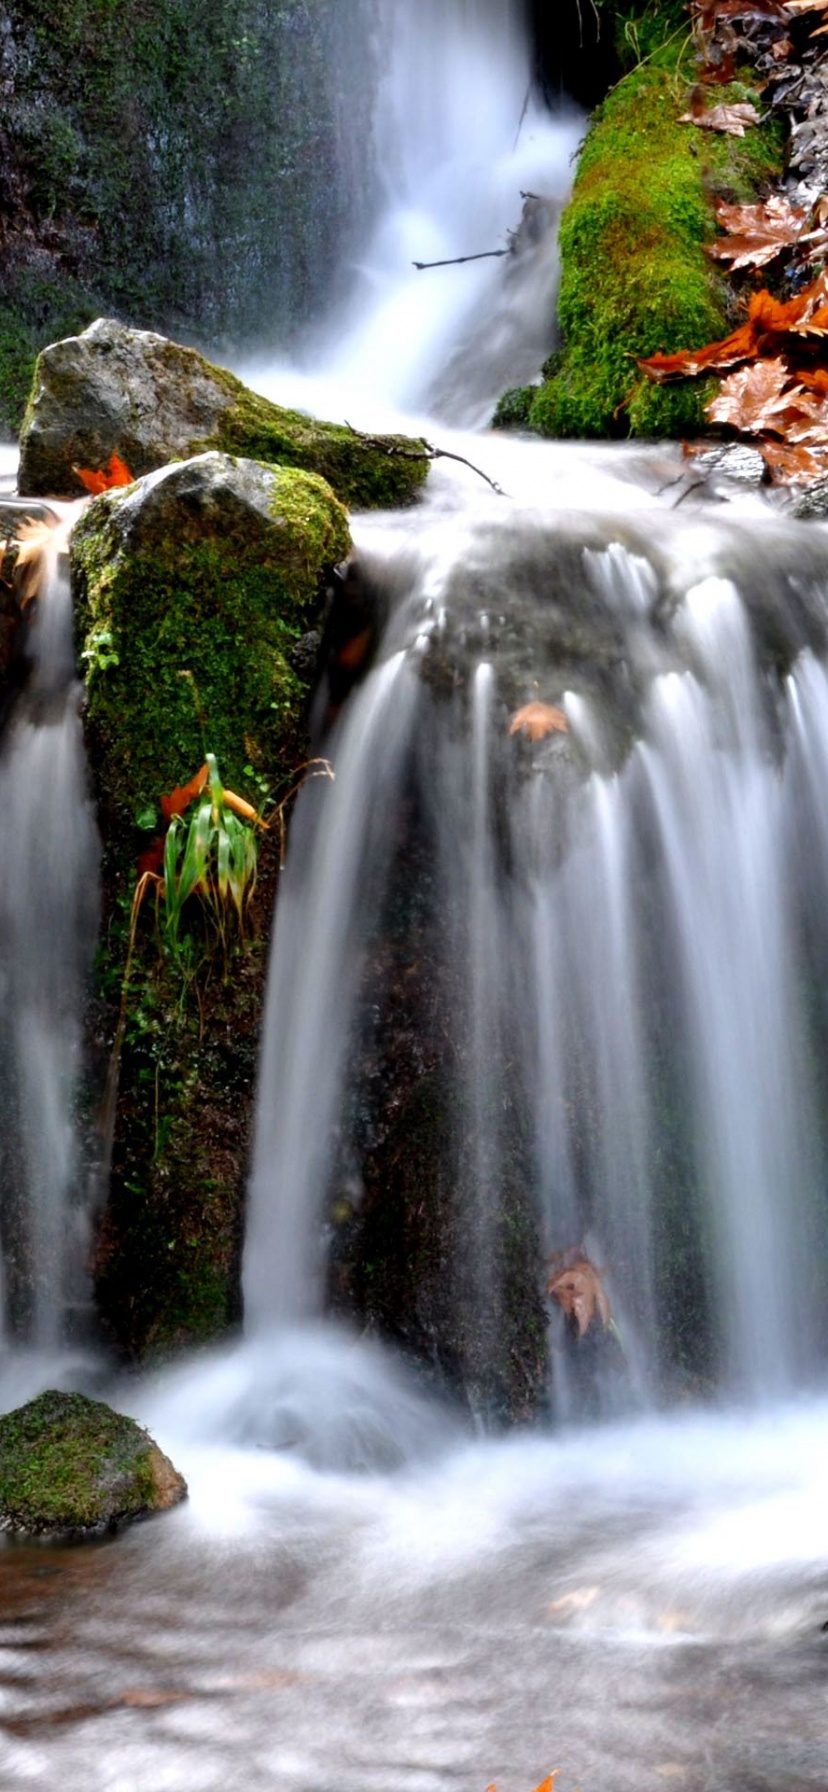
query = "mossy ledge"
{"x": 635, "y": 278}
{"x": 151, "y": 401}
{"x": 72, "y": 1466}
{"x": 196, "y": 592}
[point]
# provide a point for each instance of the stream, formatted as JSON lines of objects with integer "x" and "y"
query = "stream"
{"x": 372, "y": 1587}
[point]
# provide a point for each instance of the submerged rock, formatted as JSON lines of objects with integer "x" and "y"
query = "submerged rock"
{"x": 72, "y": 1465}
{"x": 133, "y": 393}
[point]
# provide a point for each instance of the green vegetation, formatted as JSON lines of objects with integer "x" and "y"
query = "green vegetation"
{"x": 155, "y": 163}
{"x": 192, "y": 595}
{"x": 379, "y": 473}
{"x": 187, "y": 635}
{"x": 635, "y": 278}
{"x": 72, "y": 1464}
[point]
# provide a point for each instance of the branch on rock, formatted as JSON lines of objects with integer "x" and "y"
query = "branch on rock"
{"x": 427, "y": 451}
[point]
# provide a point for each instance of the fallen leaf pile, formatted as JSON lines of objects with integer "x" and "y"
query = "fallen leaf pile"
{"x": 779, "y": 395}
{"x": 774, "y": 392}
{"x": 576, "y": 1285}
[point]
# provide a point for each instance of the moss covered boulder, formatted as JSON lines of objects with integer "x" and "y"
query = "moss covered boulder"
{"x": 192, "y": 589}
{"x": 635, "y": 275}
{"x": 135, "y": 394}
{"x": 72, "y": 1465}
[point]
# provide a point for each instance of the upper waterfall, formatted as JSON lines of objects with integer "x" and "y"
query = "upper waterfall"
{"x": 460, "y": 136}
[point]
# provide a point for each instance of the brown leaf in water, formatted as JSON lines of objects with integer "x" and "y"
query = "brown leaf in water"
{"x": 537, "y": 720}
{"x": 757, "y": 233}
{"x": 115, "y": 473}
{"x": 183, "y": 795}
{"x": 576, "y": 1285}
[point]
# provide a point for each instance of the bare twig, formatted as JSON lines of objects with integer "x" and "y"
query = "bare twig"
{"x": 426, "y": 451}
{"x": 456, "y": 261}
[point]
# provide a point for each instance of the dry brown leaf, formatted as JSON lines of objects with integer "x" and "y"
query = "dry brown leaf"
{"x": 792, "y": 465}
{"x": 757, "y": 233}
{"x": 537, "y": 720}
{"x": 754, "y": 398}
{"x": 733, "y": 119}
{"x": 576, "y": 1285}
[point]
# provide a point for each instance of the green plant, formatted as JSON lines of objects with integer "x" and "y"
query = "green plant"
{"x": 213, "y": 855}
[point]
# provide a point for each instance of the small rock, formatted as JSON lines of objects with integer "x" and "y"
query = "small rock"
{"x": 72, "y": 1466}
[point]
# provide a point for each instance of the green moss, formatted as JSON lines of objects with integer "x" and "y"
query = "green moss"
{"x": 364, "y": 475}
{"x": 72, "y": 1464}
{"x": 514, "y": 407}
{"x": 187, "y": 641}
{"x": 635, "y": 278}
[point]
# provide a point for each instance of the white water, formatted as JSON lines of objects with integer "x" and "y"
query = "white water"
{"x": 48, "y": 922}
{"x": 458, "y": 137}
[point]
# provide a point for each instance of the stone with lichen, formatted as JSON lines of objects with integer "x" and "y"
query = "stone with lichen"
{"x": 72, "y": 1466}
{"x": 151, "y": 401}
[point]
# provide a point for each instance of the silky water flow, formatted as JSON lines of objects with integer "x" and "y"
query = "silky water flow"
{"x": 626, "y": 963}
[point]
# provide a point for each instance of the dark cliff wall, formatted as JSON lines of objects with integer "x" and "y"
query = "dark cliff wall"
{"x": 192, "y": 168}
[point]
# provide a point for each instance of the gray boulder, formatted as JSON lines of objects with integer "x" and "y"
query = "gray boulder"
{"x": 150, "y": 401}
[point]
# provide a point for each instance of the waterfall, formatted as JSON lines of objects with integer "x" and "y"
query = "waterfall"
{"x": 623, "y": 931}
{"x": 48, "y": 926}
{"x": 459, "y": 137}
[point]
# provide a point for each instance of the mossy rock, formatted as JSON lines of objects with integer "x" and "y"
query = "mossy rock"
{"x": 72, "y": 1465}
{"x": 635, "y": 275}
{"x": 135, "y": 394}
{"x": 192, "y": 588}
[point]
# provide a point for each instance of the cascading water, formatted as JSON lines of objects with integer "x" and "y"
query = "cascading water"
{"x": 48, "y": 926}
{"x": 596, "y": 966}
{"x": 459, "y": 138}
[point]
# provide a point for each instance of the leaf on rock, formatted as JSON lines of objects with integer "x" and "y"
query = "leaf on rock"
{"x": 714, "y": 358}
{"x": 576, "y": 1285}
{"x": 183, "y": 795}
{"x": 537, "y": 720}
{"x": 793, "y": 465}
{"x": 733, "y": 119}
{"x": 753, "y": 399}
{"x": 757, "y": 233}
{"x": 116, "y": 473}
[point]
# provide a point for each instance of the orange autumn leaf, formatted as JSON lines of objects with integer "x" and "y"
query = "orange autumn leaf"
{"x": 537, "y": 720}
{"x": 715, "y": 357}
{"x": 576, "y": 1285}
{"x": 116, "y": 473}
{"x": 756, "y": 234}
{"x": 183, "y": 795}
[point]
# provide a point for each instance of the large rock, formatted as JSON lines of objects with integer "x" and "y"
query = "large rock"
{"x": 129, "y": 392}
{"x": 192, "y": 587}
{"x": 72, "y": 1465}
{"x": 196, "y": 591}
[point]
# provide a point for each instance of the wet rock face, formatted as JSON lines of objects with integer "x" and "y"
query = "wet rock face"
{"x": 134, "y": 393}
{"x": 69, "y": 1465}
